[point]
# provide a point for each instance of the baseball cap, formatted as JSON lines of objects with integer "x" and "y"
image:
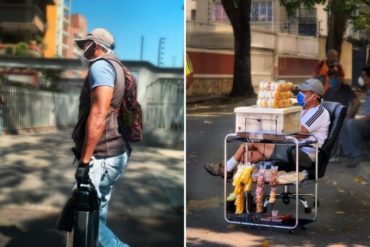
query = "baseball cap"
{"x": 98, "y": 35}
{"x": 313, "y": 85}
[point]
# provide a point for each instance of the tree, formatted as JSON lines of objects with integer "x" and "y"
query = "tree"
{"x": 361, "y": 21}
{"x": 238, "y": 12}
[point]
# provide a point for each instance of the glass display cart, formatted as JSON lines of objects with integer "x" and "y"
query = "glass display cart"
{"x": 249, "y": 216}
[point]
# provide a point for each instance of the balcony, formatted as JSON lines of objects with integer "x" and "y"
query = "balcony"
{"x": 21, "y": 18}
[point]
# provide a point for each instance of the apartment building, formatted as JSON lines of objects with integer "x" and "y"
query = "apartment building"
{"x": 23, "y": 24}
{"x": 282, "y": 47}
{"x": 57, "y": 36}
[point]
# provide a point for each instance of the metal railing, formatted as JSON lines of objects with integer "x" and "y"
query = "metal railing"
{"x": 31, "y": 108}
{"x": 22, "y": 14}
{"x": 165, "y": 107}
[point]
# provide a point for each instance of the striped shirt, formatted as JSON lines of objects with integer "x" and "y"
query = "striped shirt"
{"x": 316, "y": 120}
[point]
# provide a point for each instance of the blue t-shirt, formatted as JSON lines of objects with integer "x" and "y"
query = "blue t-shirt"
{"x": 101, "y": 73}
{"x": 367, "y": 103}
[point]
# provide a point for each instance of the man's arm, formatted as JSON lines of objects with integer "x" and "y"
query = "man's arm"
{"x": 101, "y": 97}
{"x": 304, "y": 130}
{"x": 355, "y": 104}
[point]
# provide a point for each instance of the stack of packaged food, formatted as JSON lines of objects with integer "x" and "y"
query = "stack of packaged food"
{"x": 275, "y": 94}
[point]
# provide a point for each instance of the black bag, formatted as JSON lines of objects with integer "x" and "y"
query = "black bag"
{"x": 66, "y": 217}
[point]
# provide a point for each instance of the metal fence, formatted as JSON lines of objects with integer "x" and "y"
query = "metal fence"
{"x": 30, "y": 108}
{"x": 165, "y": 107}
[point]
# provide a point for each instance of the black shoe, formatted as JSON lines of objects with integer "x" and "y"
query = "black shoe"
{"x": 217, "y": 170}
{"x": 357, "y": 160}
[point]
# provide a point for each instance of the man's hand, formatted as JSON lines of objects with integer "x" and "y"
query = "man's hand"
{"x": 82, "y": 173}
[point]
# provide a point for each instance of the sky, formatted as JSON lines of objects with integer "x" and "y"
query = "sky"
{"x": 130, "y": 20}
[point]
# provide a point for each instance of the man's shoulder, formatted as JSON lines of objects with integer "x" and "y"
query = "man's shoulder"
{"x": 320, "y": 111}
{"x": 101, "y": 63}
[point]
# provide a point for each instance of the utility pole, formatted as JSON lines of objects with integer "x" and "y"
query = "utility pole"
{"x": 160, "y": 51}
{"x": 142, "y": 48}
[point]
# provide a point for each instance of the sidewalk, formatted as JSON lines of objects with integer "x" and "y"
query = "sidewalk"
{"x": 37, "y": 175}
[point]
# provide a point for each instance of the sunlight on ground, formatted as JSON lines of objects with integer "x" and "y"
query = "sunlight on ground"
{"x": 196, "y": 236}
{"x": 209, "y": 114}
{"x": 213, "y": 202}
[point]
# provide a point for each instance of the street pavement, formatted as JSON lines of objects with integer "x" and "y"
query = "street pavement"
{"x": 344, "y": 194}
{"x": 37, "y": 175}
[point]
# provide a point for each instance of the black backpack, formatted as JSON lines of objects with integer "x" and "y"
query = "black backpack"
{"x": 129, "y": 114}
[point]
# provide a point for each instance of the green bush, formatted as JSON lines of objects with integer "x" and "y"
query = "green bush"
{"x": 21, "y": 49}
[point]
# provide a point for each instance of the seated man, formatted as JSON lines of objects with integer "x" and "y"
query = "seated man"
{"x": 341, "y": 93}
{"x": 315, "y": 120}
{"x": 356, "y": 132}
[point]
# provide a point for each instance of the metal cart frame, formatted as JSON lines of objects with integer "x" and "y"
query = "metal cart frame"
{"x": 249, "y": 137}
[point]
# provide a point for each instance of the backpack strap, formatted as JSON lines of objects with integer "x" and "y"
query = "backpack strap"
{"x": 119, "y": 89}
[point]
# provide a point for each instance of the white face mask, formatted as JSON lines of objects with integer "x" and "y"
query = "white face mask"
{"x": 361, "y": 81}
{"x": 84, "y": 62}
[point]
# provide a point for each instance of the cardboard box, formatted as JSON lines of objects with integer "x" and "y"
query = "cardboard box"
{"x": 254, "y": 119}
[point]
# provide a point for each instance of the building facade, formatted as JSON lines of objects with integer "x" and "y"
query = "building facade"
{"x": 282, "y": 47}
{"x": 57, "y": 36}
{"x": 23, "y": 24}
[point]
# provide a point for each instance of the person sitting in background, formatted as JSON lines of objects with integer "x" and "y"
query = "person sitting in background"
{"x": 356, "y": 132}
{"x": 315, "y": 120}
{"x": 323, "y": 67}
{"x": 341, "y": 93}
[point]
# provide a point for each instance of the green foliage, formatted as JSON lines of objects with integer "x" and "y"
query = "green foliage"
{"x": 362, "y": 21}
{"x": 291, "y": 6}
{"x": 10, "y": 50}
{"x": 345, "y": 8}
{"x": 361, "y": 18}
{"x": 21, "y": 49}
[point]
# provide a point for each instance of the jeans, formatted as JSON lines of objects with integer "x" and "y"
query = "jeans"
{"x": 354, "y": 137}
{"x": 104, "y": 173}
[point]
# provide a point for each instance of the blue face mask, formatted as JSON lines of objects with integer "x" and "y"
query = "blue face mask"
{"x": 334, "y": 83}
{"x": 300, "y": 99}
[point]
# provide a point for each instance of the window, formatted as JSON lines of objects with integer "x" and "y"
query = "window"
{"x": 261, "y": 11}
{"x": 193, "y": 14}
{"x": 307, "y": 25}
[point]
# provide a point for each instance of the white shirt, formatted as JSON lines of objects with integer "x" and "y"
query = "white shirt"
{"x": 316, "y": 120}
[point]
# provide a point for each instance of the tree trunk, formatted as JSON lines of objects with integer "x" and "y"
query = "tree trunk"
{"x": 337, "y": 27}
{"x": 239, "y": 19}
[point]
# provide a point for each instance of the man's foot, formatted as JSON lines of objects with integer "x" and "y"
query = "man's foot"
{"x": 357, "y": 160}
{"x": 334, "y": 159}
{"x": 217, "y": 170}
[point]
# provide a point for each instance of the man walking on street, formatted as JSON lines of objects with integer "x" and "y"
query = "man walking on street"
{"x": 99, "y": 143}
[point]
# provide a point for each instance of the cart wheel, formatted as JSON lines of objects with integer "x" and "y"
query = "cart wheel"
{"x": 286, "y": 200}
{"x": 303, "y": 227}
{"x": 291, "y": 231}
{"x": 307, "y": 210}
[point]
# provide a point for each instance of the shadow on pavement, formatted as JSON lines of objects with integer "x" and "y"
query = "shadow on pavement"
{"x": 37, "y": 175}
{"x": 41, "y": 232}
